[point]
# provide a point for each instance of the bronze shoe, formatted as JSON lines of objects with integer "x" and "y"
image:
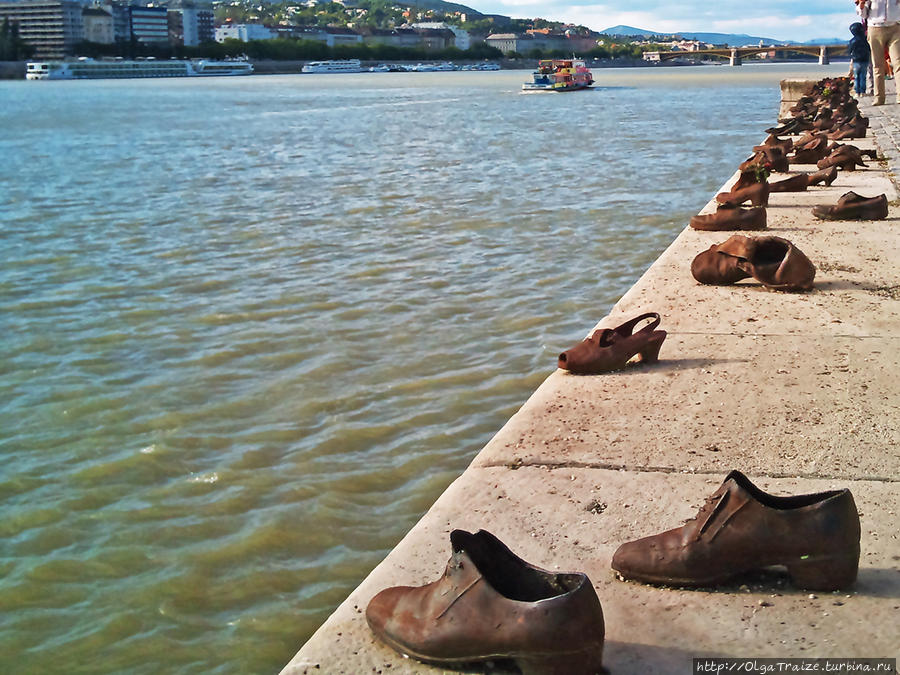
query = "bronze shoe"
{"x": 741, "y": 528}
{"x": 609, "y": 349}
{"x": 490, "y": 605}
{"x": 846, "y": 157}
{"x": 775, "y": 262}
{"x": 757, "y": 194}
{"x": 731, "y": 218}
{"x": 826, "y": 176}
{"x": 717, "y": 269}
{"x": 797, "y": 183}
{"x": 852, "y": 206}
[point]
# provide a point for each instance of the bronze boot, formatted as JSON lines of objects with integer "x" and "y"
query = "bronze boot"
{"x": 716, "y": 268}
{"x": 609, "y": 349}
{"x": 741, "y": 528}
{"x": 852, "y": 206}
{"x": 731, "y": 218}
{"x": 775, "y": 262}
{"x": 491, "y": 605}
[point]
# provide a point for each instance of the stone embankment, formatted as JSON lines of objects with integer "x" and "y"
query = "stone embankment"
{"x": 798, "y": 390}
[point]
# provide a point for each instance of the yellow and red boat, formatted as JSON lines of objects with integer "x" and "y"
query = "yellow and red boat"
{"x": 560, "y": 75}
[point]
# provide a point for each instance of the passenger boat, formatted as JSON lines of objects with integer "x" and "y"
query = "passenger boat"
{"x": 560, "y": 75}
{"x": 338, "y": 66}
{"x": 89, "y": 69}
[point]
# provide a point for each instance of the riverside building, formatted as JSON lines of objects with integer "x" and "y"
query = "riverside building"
{"x": 52, "y": 27}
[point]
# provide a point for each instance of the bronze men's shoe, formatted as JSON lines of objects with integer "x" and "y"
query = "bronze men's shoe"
{"x": 775, "y": 262}
{"x": 610, "y": 349}
{"x": 741, "y": 528}
{"x": 731, "y": 218}
{"x": 757, "y": 194}
{"x": 491, "y": 605}
{"x": 852, "y": 206}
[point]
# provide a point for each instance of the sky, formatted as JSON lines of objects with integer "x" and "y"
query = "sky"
{"x": 778, "y": 19}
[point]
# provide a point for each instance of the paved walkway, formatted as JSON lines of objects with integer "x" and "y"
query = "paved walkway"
{"x": 799, "y": 391}
{"x": 884, "y": 124}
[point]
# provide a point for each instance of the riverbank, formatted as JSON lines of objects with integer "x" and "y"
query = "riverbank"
{"x": 796, "y": 390}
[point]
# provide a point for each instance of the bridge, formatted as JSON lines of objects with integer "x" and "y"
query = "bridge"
{"x": 736, "y": 54}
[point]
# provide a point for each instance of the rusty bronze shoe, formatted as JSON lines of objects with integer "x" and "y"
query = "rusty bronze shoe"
{"x": 717, "y": 268}
{"x": 740, "y": 528}
{"x": 852, "y": 206}
{"x": 775, "y": 262}
{"x": 756, "y": 193}
{"x": 797, "y": 183}
{"x": 727, "y": 217}
{"x": 491, "y": 605}
{"x": 609, "y": 349}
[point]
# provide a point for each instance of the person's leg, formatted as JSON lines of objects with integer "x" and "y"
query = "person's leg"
{"x": 871, "y": 79}
{"x": 893, "y": 44}
{"x": 859, "y": 77}
{"x": 876, "y": 42}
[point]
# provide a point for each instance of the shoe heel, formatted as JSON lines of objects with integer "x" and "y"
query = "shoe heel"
{"x": 587, "y": 662}
{"x": 650, "y": 352}
{"x": 824, "y": 573}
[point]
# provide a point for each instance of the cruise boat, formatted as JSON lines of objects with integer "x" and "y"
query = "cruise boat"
{"x": 338, "y": 66}
{"x": 560, "y": 75}
{"x": 89, "y": 69}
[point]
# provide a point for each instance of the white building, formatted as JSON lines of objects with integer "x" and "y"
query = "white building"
{"x": 462, "y": 40}
{"x": 245, "y": 32}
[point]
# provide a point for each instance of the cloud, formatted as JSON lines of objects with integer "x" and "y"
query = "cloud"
{"x": 776, "y": 19}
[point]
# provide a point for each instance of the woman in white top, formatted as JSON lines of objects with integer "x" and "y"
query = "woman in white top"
{"x": 883, "y": 20}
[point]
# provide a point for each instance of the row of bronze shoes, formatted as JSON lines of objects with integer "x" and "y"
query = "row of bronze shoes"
{"x": 490, "y": 605}
{"x": 825, "y": 115}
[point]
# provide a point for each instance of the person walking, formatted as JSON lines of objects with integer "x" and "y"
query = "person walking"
{"x": 860, "y": 53}
{"x": 883, "y": 20}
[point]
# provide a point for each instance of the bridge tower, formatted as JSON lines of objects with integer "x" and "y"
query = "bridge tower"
{"x": 823, "y": 56}
{"x": 735, "y": 58}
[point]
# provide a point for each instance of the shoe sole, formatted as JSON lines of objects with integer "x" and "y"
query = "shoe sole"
{"x": 529, "y": 664}
{"x": 821, "y": 573}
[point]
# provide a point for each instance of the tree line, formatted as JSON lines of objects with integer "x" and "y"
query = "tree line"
{"x": 12, "y": 47}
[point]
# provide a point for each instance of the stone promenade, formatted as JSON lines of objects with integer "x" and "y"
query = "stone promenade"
{"x": 801, "y": 391}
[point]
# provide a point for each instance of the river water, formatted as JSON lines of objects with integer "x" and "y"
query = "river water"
{"x": 252, "y": 327}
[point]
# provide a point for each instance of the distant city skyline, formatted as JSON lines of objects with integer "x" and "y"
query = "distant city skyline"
{"x": 777, "y": 19}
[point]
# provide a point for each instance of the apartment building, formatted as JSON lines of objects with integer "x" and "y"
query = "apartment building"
{"x": 52, "y": 27}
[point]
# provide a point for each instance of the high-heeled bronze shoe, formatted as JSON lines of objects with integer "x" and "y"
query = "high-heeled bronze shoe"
{"x": 610, "y": 349}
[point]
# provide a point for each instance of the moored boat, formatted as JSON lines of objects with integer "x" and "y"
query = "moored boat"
{"x": 90, "y": 69}
{"x": 335, "y": 66}
{"x": 560, "y": 75}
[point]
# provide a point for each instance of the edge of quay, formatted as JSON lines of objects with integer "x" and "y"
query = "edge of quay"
{"x": 798, "y": 390}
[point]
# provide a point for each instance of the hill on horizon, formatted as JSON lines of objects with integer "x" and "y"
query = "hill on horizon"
{"x": 731, "y": 39}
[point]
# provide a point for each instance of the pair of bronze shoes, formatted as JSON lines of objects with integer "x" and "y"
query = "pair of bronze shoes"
{"x": 852, "y": 206}
{"x": 775, "y": 262}
{"x": 491, "y": 605}
{"x": 609, "y": 349}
